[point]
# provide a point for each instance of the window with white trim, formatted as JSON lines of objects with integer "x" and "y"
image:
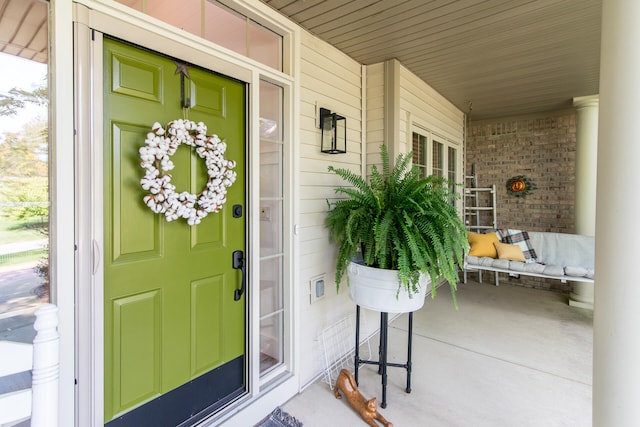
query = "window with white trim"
{"x": 435, "y": 155}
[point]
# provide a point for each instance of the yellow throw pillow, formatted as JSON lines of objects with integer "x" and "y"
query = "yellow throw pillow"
{"x": 482, "y": 244}
{"x": 511, "y": 252}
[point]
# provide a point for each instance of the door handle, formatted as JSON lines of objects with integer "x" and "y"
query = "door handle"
{"x": 96, "y": 256}
{"x": 238, "y": 263}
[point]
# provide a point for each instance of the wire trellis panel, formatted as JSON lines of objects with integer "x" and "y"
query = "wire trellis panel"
{"x": 338, "y": 347}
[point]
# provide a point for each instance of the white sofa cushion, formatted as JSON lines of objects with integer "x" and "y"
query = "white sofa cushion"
{"x": 563, "y": 249}
{"x": 553, "y": 270}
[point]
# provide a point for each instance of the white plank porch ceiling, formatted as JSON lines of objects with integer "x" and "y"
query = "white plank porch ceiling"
{"x": 23, "y": 29}
{"x": 491, "y": 58}
{"x": 502, "y": 57}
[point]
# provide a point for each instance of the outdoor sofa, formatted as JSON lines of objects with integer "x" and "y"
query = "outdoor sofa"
{"x": 561, "y": 256}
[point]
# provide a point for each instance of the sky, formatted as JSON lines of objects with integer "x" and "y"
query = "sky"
{"x": 23, "y": 74}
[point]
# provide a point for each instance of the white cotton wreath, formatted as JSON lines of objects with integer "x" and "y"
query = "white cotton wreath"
{"x": 160, "y": 145}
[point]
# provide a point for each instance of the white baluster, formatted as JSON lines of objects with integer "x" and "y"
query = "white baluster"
{"x": 44, "y": 409}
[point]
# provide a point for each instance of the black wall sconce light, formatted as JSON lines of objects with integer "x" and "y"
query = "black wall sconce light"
{"x": 334, "y": 132}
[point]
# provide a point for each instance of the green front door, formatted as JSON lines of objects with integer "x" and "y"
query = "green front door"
{"x": 174, "y": 337}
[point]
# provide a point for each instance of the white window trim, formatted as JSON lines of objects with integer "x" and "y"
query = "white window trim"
{"x": 446, "y": 142}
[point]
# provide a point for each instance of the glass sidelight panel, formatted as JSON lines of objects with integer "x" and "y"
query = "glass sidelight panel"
{"x": 270, "y": 198}
{"x": 271, "y": 300}
{"x": 271, "y": 229}
{"x": 270, "y": 342}
{"x": 271, "y": 314}
{"x": 271, "y": 110}
{"x": 270, "y": 168}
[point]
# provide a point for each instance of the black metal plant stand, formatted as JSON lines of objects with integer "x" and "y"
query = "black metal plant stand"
{"x": 382, "y": 353}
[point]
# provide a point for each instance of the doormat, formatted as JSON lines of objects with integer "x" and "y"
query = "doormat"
{"x": 279, "y": 418}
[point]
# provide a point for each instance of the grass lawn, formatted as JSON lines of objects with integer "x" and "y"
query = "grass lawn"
{"x": 20, "y": 231}
{"x": 23, "y": 257}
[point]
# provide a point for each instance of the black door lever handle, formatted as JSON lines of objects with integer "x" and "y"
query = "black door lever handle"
{"x": 238, "y": 263}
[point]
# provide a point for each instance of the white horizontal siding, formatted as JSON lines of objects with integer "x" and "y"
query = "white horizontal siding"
{"x": 375, "y": 113}
{"x": 428, "y": 108}
{"x": 419, "y": 104}
{"x": 328, "y": 79}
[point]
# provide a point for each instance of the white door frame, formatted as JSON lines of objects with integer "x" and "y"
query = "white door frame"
{"x": 89, "y": 24}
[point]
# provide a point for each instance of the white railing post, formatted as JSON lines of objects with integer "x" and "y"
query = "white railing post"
{"x": 44, "y": 409}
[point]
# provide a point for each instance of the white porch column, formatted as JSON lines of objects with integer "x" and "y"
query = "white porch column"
{"x": 616, "y": 371}
{"x": 585, "y": 195}
{"x": 586, "y": 163}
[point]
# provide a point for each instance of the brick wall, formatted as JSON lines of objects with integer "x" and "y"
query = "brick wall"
{"x": 541, "y": 147}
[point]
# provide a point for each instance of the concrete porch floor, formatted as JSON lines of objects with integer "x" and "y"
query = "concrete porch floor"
{"x": 510, "y": 356}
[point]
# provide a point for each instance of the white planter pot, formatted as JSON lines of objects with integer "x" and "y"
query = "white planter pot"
{"x": 377, "y": 289}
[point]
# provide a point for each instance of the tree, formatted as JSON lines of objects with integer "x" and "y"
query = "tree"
{"x": 24, "y": 154}
{"x": 24, "y": 157}
{"x": 16, "y": 99}
{"x": 24, "y": 169}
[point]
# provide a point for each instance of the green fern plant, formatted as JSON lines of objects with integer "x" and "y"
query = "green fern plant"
{"x": 398, "y": 221}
